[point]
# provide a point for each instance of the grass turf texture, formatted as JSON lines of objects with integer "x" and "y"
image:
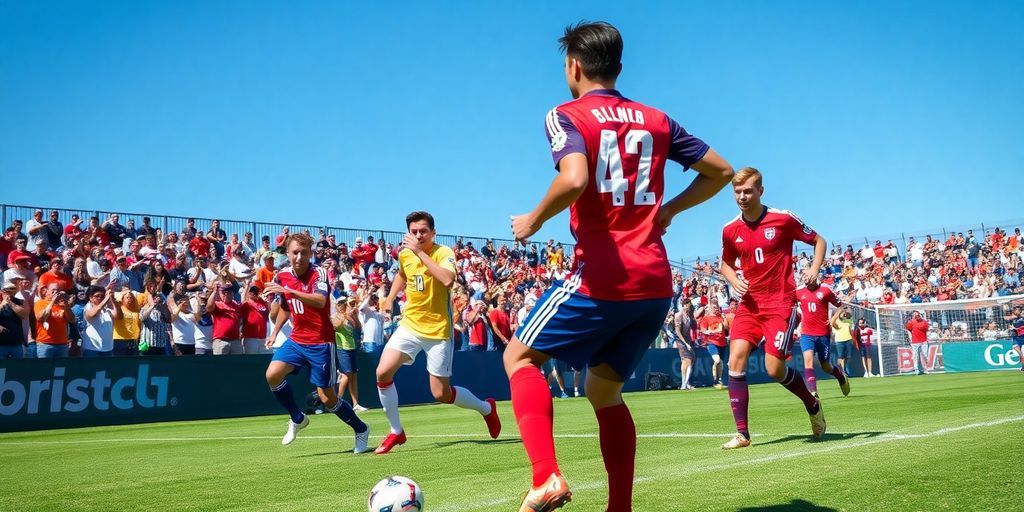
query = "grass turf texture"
{"x": 937, "y": 442}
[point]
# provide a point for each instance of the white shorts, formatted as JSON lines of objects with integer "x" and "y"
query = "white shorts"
{"x": 439, "y": 352}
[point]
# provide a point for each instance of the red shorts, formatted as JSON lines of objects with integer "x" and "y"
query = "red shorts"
{"x": 774, "y": 326}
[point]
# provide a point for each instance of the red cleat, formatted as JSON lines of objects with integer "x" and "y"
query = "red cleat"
{"x": 492, "y": 419}
{"x": 390, "y": 442}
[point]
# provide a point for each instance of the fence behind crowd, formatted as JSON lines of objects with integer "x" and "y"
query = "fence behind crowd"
{"x": 168, "y": 223}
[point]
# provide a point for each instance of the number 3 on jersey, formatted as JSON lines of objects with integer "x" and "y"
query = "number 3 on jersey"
{"x": 609, "y": 173}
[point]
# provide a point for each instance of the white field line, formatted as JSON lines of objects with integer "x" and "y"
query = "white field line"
{"x": 706, "y": 468}
{"x": 669, "y": 435}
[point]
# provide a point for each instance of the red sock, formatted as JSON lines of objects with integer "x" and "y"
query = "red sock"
{"x": 531, "y": 403}
{"x": 618, "y": 447}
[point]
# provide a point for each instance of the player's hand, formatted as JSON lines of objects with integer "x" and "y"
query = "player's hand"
{"x": 269, "y": 342}
{"x": 809, "y": 277}
{"x": 411, "y": 243}
{"x": 741, "y": 285}
{"x": 523, "y": 227}
{"x": 272, "y": 288}
{"x": 664, "y": 220}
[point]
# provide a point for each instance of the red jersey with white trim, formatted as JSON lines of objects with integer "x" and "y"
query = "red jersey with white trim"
{"x": 619, "y": 252}
{"x": 310, "y": 326}
{"x": 814, "y": 310}
{"x": 764, "y": 250}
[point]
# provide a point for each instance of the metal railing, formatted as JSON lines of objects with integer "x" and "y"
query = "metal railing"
{"x": 168, "y": 223}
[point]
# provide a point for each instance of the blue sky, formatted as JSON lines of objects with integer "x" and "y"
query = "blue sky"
{"x": 866, "y": 118}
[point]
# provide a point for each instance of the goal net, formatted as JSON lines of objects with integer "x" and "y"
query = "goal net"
{"x": 956, "y": 321}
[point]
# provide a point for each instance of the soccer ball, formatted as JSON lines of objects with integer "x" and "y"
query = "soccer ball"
{"x": 396, "y": 494}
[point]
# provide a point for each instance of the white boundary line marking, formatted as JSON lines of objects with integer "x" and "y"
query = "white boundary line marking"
{"x": 705, "y": 468}
{"x": 670, "y": 435}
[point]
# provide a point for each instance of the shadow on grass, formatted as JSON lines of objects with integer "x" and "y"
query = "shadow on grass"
{"x": 445, "y": 444}
{"x": 793, "y": 506}
{"x": 840, "y": 436}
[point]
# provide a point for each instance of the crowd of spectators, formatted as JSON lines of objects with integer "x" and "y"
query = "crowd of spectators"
{"x": 963, "y": 266}
{"x": 99, "y": 287}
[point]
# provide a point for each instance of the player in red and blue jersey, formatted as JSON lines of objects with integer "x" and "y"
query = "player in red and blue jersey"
{"x": 610, "y": 153}
{"x": 302, "y": 291}
{"x": 757, "y": 252}
{"x": 815, "y": 327}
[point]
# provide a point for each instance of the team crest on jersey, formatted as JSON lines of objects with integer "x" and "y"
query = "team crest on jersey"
{"x": 807, "y": 229}
{"x": 820, "y": 295}
{"x": 558, "y": 141}
{"x": 769, "y": 233}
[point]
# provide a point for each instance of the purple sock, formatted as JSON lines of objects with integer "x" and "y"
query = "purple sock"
{"x": 811, "y": 379}
{"x": 795, "y": 385}
{"x": 838, "y": 374}
{"x": 739, "y": 399}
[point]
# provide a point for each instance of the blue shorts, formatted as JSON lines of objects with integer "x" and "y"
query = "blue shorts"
{"x": 580, "y": 330}
{"x": 321, "y": 360}
{"x": 721, "y": 352}
{"x": 347, "y": 361}
{"x": 865, "y": 349}
{"x": 819, "y": 344}
{"x": 844, "y": 349}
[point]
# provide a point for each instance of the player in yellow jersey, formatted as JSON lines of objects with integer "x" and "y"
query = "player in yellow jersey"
{"x": 426, "y": 273}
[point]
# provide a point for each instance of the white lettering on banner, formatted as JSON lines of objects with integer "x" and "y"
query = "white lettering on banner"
{"x": 998, "y": 358}
{"x": 125, "y": 393}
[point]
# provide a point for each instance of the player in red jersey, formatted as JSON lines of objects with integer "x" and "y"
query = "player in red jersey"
{"x": 610, "y": 153}
{"x": 761, "y": 240}
{"x": 302, "y": 290}
{"x": 814, "y": 334}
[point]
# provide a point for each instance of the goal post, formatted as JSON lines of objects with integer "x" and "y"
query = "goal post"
{"x": 963, "y": 335}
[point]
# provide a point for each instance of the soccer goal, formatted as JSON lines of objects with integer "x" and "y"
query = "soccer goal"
{"x": 959, "y": 322}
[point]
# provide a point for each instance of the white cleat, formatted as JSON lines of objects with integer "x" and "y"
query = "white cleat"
{"x": 362, "y": 440}
{"x": 359, "y": 408}
{"x": 818, "y": 422}
{"x": 293, "y": 430}
{"x": 736, "y": 442}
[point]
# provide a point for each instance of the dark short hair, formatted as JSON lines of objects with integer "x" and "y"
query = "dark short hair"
{"x": 418, "y": 216}
{"x": 93, "y": 289}
{"x": 597, "y": 46}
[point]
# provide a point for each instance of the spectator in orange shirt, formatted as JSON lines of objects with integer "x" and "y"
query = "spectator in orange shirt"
{"x": 55, "y": 275}
{"x": 265, "y": 274}
{"x": 52, "y": 316}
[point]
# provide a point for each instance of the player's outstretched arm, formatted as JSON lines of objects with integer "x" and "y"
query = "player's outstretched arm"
{"x": 714, "y": 173}
{"x": 568, "y": 185}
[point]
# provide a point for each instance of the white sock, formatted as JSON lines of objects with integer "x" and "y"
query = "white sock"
{"x": 467, "y": 400}
{"x": 389, "y": 401}
{"x": 686, "y": 378}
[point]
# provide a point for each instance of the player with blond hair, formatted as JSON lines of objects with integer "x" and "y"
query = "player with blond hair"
{"x": 757, "y": 249}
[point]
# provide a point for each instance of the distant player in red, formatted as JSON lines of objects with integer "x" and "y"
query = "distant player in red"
{"x": 301, "y": 290}
{"x": 814, "y": 301}
{"x": 761, "y": 240}
{"x": 610, "y": 153}
{"x": 862, "y": 336}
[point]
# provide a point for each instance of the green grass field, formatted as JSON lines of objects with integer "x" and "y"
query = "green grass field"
{"x": 937, "y": 442}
